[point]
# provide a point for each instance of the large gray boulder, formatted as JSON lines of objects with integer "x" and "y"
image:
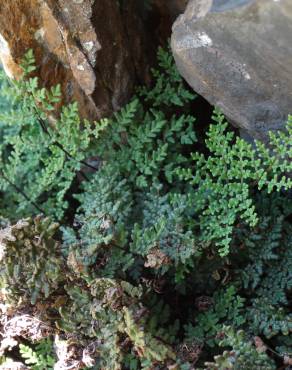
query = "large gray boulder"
{"x": 238, "y": 55}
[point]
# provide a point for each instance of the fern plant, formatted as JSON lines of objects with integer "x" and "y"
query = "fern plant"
{"x": 169, "y": 88}
{"x": 39, "y": 156}
{"x": 264, "y": 269}
{"x": 226, "y": 307}
{"x": 137, "y": 281}
{"x": 267, "y": 257}
{"x": 243, "y": 354}
{"x": 225, "y": 179}
{"x": 122, "y": 224}
{"x": 41, "y": 357}
{"x": 30, "y": 260}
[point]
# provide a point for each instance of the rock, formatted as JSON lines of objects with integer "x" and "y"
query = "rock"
{"x": 13, "y": 365}
{"x": 237, "y": 54}
{"x": 96, "y": 50}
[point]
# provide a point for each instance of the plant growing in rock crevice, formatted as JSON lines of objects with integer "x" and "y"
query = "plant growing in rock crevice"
{"x": 137, "y": 281}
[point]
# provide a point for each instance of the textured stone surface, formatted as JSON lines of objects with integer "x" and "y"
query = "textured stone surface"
{"x": 97, "y": 50}
{"x": 238, "y": 55}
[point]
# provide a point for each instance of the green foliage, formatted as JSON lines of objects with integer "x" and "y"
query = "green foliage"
{"x": 128, "y": 213}
{"x": 143, "y": 146}
{"x": 108, "y": 309}
{"x": 41, "y": 357}
{"x": 243, "y": 354}
{"x": 169, "y": 88}
{"x": 137, "y": 281}
{"x": 30, "y": 263}
{"x": 41, "y": 150}
{"x": 227, "y": 308}
{"x": 98, "y": 313}
{"x": 148, "y": 347}
{"x": 269, "y": 320}
{"x": 224, "y": 180}
{"x": 267, "y": 273}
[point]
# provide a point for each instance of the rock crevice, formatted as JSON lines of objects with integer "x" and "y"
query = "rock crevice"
{"x": 85, "y": 45}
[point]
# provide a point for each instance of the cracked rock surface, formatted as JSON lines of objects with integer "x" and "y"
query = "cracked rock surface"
{"x": 96, "y": 50}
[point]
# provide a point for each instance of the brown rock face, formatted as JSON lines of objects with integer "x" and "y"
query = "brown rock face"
{"x": 94, "y": 49}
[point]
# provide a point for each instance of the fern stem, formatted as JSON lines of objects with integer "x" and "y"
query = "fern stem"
{"x": 21, "y": 192}
{"x": 56, "y": 143}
